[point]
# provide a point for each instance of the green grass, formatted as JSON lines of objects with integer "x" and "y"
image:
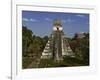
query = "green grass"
{"x": 46, "y": 63}
{"x": 67, "y": 62}
{"x": 26, "y": 61}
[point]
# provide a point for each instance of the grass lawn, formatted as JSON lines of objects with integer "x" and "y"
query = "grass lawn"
{"x": 26, "y": 61}
{"x": 67, "y": 62}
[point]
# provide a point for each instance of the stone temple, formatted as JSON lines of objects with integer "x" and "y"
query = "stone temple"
{"x": 57, "y": 46}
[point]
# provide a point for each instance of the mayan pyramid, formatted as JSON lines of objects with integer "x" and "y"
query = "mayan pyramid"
{"x": 57, "y": 46}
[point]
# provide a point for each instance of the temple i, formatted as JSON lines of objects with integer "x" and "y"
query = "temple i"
{"x": 57, "y": 46}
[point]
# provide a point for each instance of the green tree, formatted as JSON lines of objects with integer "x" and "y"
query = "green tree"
{"x": 26, "y": 39}
{"x": 80, "y": 47}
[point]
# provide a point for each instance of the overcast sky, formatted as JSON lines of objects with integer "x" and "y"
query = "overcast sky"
{"x": 41, "y": 23}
